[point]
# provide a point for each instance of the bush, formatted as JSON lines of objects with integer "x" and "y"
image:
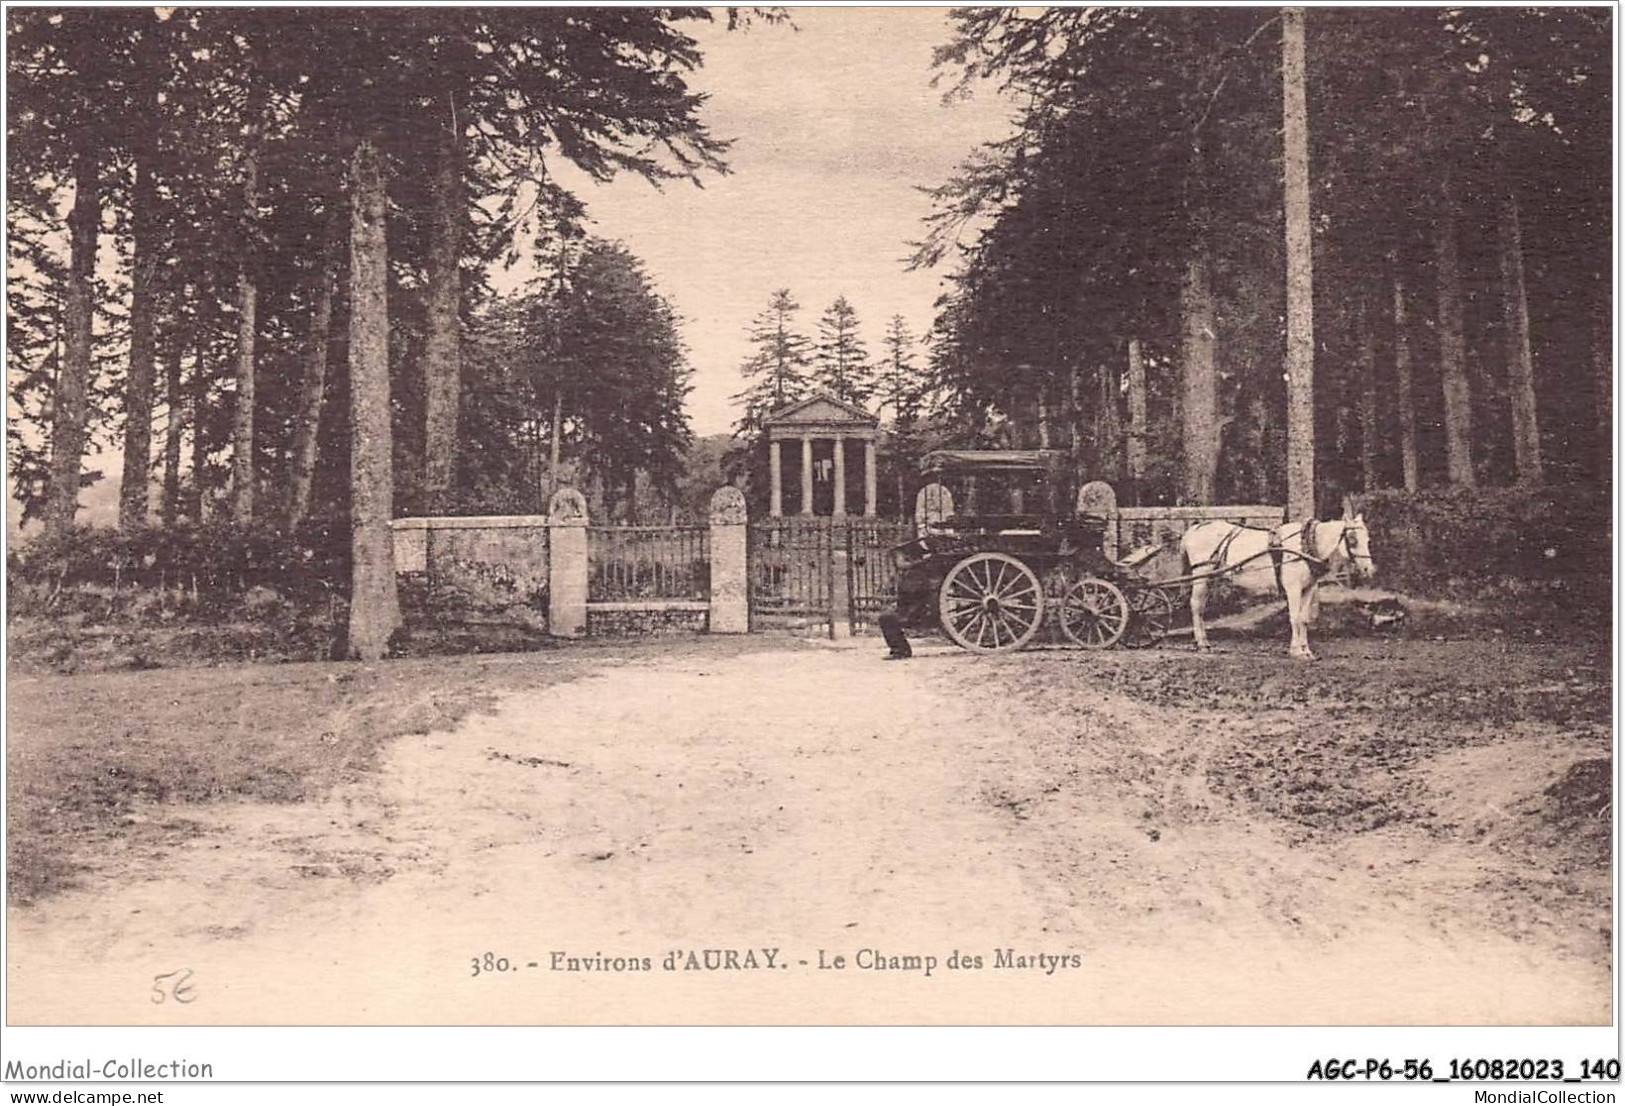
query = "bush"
{"x": 218, "y": 563}
{"x": 102, "y": 599}
{"x": 1478, "y": 541}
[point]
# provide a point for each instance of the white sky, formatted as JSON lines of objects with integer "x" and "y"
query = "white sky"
{"x": 835, "y": 125}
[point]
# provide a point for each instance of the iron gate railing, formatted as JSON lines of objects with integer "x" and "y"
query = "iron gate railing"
{"x": 792, "y": 572}
{"x": 871, "y": 577}
{"x": 628, "y": 563}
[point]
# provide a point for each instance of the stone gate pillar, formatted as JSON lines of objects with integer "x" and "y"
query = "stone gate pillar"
{"x": 840, "y": 599}
{"x": 1097, "y": 499}
{"x": 730, "y": 580}
{"x": 567, "y": 564}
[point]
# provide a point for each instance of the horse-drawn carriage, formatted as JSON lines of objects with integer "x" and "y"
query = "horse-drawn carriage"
{"x": 1002, "y": 552}
{"x": 1006, "y": 550}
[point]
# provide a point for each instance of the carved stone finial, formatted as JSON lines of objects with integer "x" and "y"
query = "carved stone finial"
{"x": 1098, "y": 499}
{"x": 568, "y": 508}
{"x": 728, "y": 506}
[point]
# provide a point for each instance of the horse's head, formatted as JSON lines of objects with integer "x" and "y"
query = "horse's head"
{"x": 1357, "y": 545}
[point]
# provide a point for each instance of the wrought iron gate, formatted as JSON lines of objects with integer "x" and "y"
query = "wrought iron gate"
{"x": 824, "y": 574}
{"x": 871, "y": 577}
{"x": 792, "y": 573}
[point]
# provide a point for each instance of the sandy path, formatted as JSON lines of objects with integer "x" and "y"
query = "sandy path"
{"x": 794, "y": 801}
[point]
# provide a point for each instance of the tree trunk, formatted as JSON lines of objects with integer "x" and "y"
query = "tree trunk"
{"x": 1199, "y": 392}
{"x": 1520, "y": 362}
{"x": 553, "y": 447}
{"x": 1300, "y": 323}
{"x": 442, "y": 355}
{"x": 242, "y": 437}
{"x": 132, "y": 500}
{"x": 1370, "y": 447}
{"x": 1339, "y": 473}
{"x": 173, "y": 425}
{"x": 1259, "y": 443}
{"x": 307, "y": 428}
{"x": 1074, "y": 395}
{"x": 1406, "y": 397}
{"x": 1136, "y": 418}
{"x": 1110, "y": 432}
{"x": 200, "y": 404}
{"x": 1602, "y": 384}
{"x": 374, "y": 606}
{"x": 70, "y": 397}
{"x": 1458, "y": 406}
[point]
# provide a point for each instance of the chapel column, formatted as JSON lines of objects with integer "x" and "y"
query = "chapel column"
{"x": 840, "y": 476}
{"x": 869, "y": 478}
{"x": 806, "y": 475}
{"x": 775, "y": 466}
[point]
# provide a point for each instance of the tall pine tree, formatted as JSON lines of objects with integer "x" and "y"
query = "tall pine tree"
{"x": 778, "y": 371}
{"x": 841, "y": 365}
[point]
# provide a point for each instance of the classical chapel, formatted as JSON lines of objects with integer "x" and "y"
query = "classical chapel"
{"x": 821, "y": 458}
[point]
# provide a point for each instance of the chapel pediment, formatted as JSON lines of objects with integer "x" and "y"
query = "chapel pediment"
{"x": 821, "y": 410}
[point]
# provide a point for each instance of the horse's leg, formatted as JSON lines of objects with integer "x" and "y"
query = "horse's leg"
{"x": 1199, "y": 601}
{"x": 1292, "y": 583}
{"x": 1311, "y": 609}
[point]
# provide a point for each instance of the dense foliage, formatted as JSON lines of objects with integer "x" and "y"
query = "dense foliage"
{"x": 603, "y": 350}
{"x": 264, "y": 234}
{"x": 1461, "y": 542}
{"x": 214, "y": 145}
{"x": 1459, "y": 170}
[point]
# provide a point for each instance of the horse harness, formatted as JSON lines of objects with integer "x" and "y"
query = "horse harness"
{"x": 1214, "y": 562}
{"x": 1307, "y": 553}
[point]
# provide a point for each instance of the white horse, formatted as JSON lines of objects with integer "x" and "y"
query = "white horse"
{"x": 1248, "y": 556}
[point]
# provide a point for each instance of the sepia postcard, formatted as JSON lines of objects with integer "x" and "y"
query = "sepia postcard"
{"x": 535, "y": 517}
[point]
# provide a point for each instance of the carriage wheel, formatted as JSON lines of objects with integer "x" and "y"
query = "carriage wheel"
{"x": 1151, "y": 613}
{"x": 1094, "y": 613}
{"x": 991, "y": 603}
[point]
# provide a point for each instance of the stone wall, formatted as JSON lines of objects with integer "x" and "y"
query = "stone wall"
{"x": 644, "y": 623}
{"x": 533, "y": 571}
{"x": 478, "y": 566}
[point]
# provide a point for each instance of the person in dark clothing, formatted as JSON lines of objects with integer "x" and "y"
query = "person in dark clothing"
{"x": 891, "y": 628}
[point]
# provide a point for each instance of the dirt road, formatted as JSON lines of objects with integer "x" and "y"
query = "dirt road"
{"x": 1112, "y": 846}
